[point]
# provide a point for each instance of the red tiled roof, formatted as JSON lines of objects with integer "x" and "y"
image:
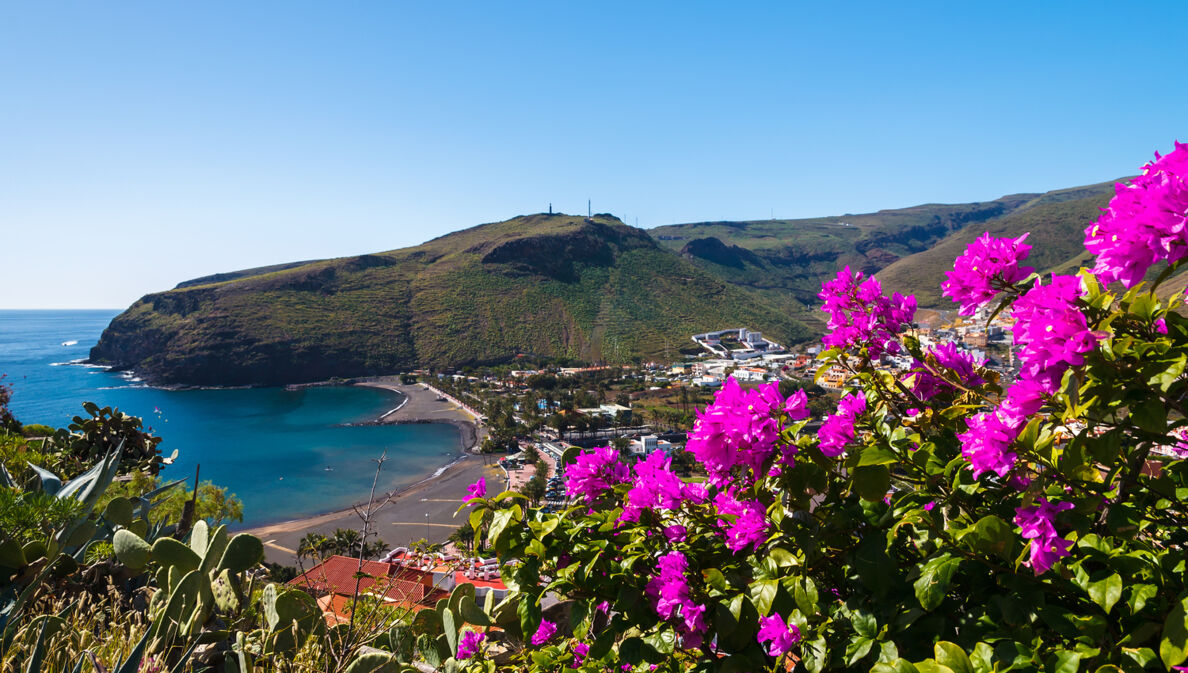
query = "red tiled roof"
{"x": 337, "y": 575}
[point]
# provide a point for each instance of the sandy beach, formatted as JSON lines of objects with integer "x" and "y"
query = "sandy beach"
{"x": 422, "y": 510}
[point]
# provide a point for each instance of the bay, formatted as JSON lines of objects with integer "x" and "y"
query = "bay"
{"x": 286, "y": 453}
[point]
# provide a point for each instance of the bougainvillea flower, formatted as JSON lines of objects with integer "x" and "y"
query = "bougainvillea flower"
{"x": 580, "y": 651}
{"x": 1038, "y": 524}
{"x": 748, "y": 529}
{"x": 656, "y": 486}
{"x": 1051, "y": 332}
{"x": 671, "y": 596}
{"x": 861, "y": 317}
{"x": 545, "y": 631}
{"x": 1023, "y": 400}
{"x": 740, "y": 428}
{"x": 986, "y": 266}
{"x": 594, "y": 473}
{"x": 469, "y": 645}
{"x": 838, "y": 429}
{"x": 986, "y": 444}
{"x": 956, "y": 362}
{"x": 779, "y": 636}
{"x": 1146, "y": 221}
{"x": 478, "y": 489}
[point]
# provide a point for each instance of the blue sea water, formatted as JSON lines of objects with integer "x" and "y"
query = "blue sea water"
{"x": 285, "y": 453}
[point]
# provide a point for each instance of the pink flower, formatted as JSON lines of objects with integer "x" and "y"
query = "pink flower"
{"x": 1051, "y": 332}
{"x": 779, "y": 635}
{"x": 469, "y": 645}
{"x": 739, "y": 428}
{"x": 594, "y": 473}
{"x": 749, "y": 527}
{"x": 861, "y": 317}
{"x": 959, "y": 364}
{"x": 838, "y": 429}
{"x": 545, "y": 631}
{"x": 986, "y": 266}
{"x": 671, "y": 596}
{"x": 986, "y": 444}
{"x": 1023, "y": 400}
{"x": 1161, "y": 325}
{"x": 1145, "y": 222}
{"x": 580, "y": 652}
{"x": 929, "y": 505}
{"x": 1037, "y": 524}
{"x": 478, "y": 489}
{"x": 675, "y": 533}
{"x": 656, "y": 486}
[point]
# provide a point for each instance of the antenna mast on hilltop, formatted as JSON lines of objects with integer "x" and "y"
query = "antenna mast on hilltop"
{"x": 589, "y": 213}
{"x": 550, "y": 209}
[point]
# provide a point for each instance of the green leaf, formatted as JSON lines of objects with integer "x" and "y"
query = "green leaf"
{"x": 1150, "y": 415}
{"x": 982, "y": 658}
{"x": 763, "y": 593}
{"x": 498, "y": 523}
{"x": 1140, "y": 594}
{"x": 663, "y": 641}
{"x": 1106, "y": 592}
{"x": 951, "y": 655}
{"x": 805, "y": 596}
{"x": 897, "y": 666}
{"x": 1173, "y": 647}
{"x": 991, "y": 535}
{"x": 857, "y": 649}
{"x": 877, "y": 455}
{"x": 935, "y": 577}
{"x": 872, "y": 481}
{"x": 1064, "y": 661}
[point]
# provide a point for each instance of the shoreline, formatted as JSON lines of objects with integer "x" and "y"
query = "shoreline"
{"x": 401, "y": 517}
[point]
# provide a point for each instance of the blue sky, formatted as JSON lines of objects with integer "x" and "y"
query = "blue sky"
{"x": 142, "y": 144}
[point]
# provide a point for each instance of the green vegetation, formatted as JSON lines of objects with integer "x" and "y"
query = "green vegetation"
{"x": 590, "y": 290}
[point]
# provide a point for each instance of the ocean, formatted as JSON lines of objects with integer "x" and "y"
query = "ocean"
{"x": 285, "y": 453}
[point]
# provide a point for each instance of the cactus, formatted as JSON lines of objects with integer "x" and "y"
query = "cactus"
{"x": 226, "y": 593}
{"x": 170, "y": 552}
{"x": 243, "y": 551}
{"x": 130, "y": 549}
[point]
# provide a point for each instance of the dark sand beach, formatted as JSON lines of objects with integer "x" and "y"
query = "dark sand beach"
{"x": 423, "y": 510}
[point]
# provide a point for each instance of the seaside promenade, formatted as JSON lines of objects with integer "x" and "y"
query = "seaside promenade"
{"x": 424, "y": 510}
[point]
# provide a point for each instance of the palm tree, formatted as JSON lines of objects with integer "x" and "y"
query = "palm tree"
{"x": 313, "y": 546}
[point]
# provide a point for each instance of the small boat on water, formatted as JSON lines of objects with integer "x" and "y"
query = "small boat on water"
{"x": 72, "y": 342}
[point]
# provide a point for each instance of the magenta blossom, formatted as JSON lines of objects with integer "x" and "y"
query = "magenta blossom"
{"x": 986, "y": 266}
{"x": 779, "y": 635}
{"x": 671, "y": 596}
{"x": 1052, "y": 333}
{"x": 739, "y": 428}
{"x": 838, "y": 429}
{"x": 594, "y": 473}
{"x": 469, "y": 645}
{"x": 580, "y": 652}
{"x": 956, "y": 363}
{"x": 1146, "y": 221}
{"x": 478, "y": 489}
{"x": 1022, "y": 401}
{"x": 748, "y": 530}
{"x": 656, "y": 486}
{"x": 1038, "y": 524}
{"x": 861, "y": 317}
{"x": 545, "y": 631}
{"x": 986, "y": 445}
{"x": 1160, "y": 325}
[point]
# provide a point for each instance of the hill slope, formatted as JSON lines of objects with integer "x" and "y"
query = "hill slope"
{"x": 782, "y": 257}
{"x": 1056, "y": 220}
{"x": 556, "y": 286}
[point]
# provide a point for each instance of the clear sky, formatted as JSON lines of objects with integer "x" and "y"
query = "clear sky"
{"x": 145, "y": 143}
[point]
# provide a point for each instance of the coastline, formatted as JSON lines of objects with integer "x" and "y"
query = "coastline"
{"x": 424, "y": 509}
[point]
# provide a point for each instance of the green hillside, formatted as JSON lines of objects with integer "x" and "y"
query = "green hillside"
{"x": 908, "y": 247}
{"x": 544, "y": 285}
{"x": 1056, "y": 220}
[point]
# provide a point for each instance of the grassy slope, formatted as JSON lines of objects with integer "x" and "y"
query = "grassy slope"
{"x": 1056, "y": 220}
{"x": 555, "y": 286}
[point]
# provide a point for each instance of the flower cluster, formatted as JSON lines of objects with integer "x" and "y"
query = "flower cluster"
{"x": 741, "y": 428}
{"x": 986, "y": 444}
{"x": 748, "y": 529}
{"x": 469, "y": 645}
{"x": 1052, "y": 334}
{"x": 594, "y": 473}
{"x": 861, "y": 317}
{"x": 658, "y": 487}
{"x": 670, "y": 594}
{"x": 478, "y": 489}
{"x": 838, "y": 429}
{"x": 984, "y": 269}
{"x": 1038, "y": 525}
{"x": 545, "y": 631}
{"x": 779, "y": 635}
{"x": 926, "y": 383}
{"x": 1146, "y": 222}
